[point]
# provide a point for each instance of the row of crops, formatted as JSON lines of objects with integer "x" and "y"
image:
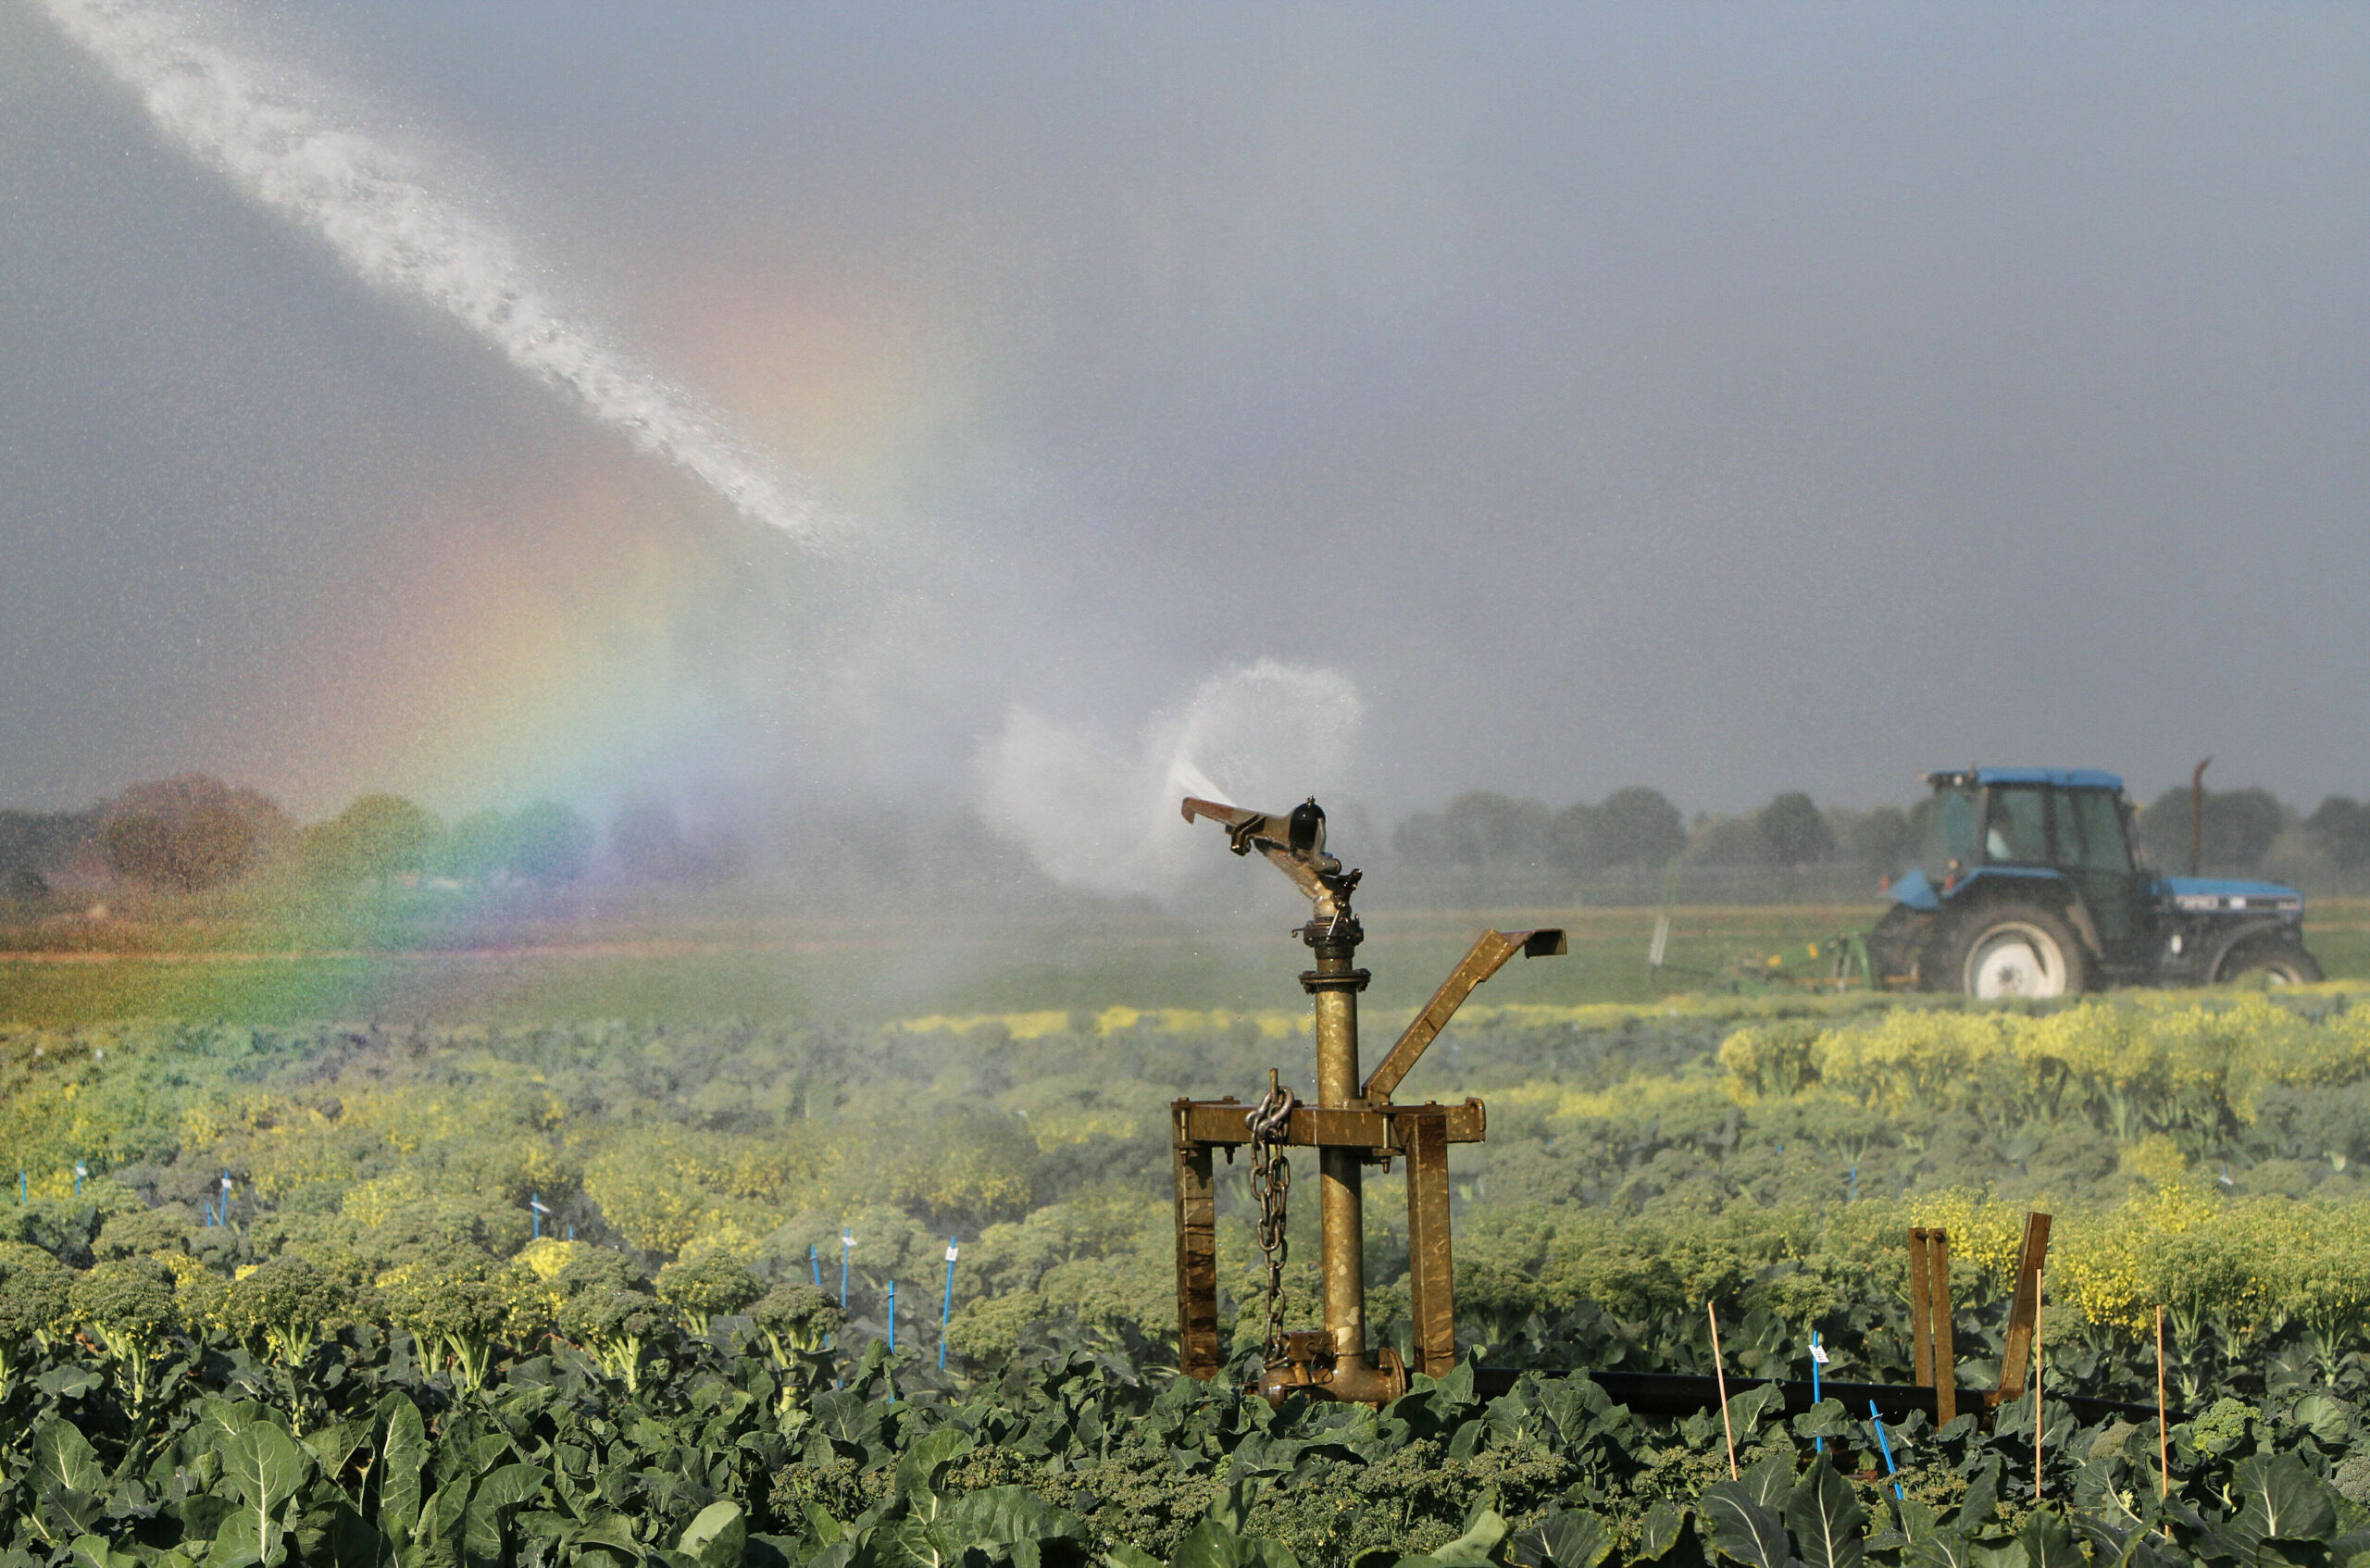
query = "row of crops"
{"x": 333, "y": 1234}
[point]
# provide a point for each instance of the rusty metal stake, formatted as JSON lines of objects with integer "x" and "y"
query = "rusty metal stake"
{"x": 2023, "y": 1313}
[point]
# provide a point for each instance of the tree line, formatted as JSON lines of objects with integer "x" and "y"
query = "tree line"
{"x": 1639, "y": 830}
{"x": 193, "y": 833}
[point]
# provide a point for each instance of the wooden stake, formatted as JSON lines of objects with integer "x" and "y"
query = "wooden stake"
{"x": 2163, "y": 1437}
{"x": 1721, "y": 1371}
{"x": 2037, "y": 1367}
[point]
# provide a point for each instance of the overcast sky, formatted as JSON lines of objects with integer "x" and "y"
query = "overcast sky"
{"x": 1730, "y": 399}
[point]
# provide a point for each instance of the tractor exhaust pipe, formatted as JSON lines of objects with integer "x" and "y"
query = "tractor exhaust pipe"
{"x": 2197, "y": 817}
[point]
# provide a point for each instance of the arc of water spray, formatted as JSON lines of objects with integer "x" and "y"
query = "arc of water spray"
{"x": 275, "y": 140}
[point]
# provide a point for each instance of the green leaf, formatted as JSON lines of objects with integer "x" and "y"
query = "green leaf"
{"x": 2046, "y": 1543}
{"x": 402, "y": 1455}
{"x": 717, "y": 1537}
{"x": 1771, "y": 1482}
{"x": 2285, "y": 1502}
{"x": 352, "y": 1542}
{"x": 1941, "y": 1548}
{"x": 1743, "y": 1528}
{"x": 1575, "y": 1539}
{"x": 267, "y": 1467}
{"x": 1664, "y": 1523}
{"x": 924, "y": 1465}
{"x": 1231, "y": 1509}
{"x": 2010, "y": 1555}
{"x": 1211, "y": 1545}
{"x": 63, "y": 1457}
{"x": 263, "y": 1462}
{"x": 2328, "y": 1419}
{"x": 1474, "y": 1546}
{"x": 1126, "y": 1556}
{"x": 1826, "y": 1518}
{"x": 491, "y": 1503}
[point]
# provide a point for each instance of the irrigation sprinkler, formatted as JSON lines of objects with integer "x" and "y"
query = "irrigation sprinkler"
{"x": 947, "y": 1307}
{"x": 1352, "y": 1125}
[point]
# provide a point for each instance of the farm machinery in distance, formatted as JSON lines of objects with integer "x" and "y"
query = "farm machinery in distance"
{"x": 2028, "y": 885}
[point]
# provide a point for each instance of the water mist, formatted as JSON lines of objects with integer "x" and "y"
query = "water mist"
{"x": 279, "y": 140}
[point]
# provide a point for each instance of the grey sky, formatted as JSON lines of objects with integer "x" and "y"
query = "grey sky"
{"x": 1725, "y": 399}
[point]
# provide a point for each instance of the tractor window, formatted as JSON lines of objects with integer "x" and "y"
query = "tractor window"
{"x": 2089, "y": 831}
{"x": 2014, "y": 833}
{"x": 1949, "y": 833}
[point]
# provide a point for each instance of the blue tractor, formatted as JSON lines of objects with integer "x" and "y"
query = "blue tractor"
{"x": 2030, "y": 885}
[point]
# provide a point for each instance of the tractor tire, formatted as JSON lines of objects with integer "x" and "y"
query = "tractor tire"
{"x": 2009, "y": 949}
{"x": 2280, "y": 962}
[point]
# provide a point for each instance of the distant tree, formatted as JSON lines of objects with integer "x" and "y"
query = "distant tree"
{"x": 2340, "y": 829}
{"x": 474, "y": 849}
{"x": 1575, "y": 843}
{"x": 1792, "y": 832}
{"x": 1485, "y": 829}
{"x": 1881, "y": 840}
{"x": 140, "y": 849}
{"x": 1638, "y": 826}
{"x": 378, "y": 835}
{"x": 188, "y": 833}
{"x": 1421, "y": 839}
{"x": 549, "y": 843}
{"x": 1727, "y": 840}
{"x": 648, "y": 843}
{"x": 2238, "y": 827}
{"x": 27, "y": 885}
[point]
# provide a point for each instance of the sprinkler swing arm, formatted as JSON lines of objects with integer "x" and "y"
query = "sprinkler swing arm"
{"x": 1352, "y": 1125}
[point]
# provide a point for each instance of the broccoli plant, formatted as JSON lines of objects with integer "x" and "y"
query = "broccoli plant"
{"x": 287, "y": 1305}
{"x": 616, "y": 1328}
{"x": 34, "y": 1305}
{"x": 797, "y": 1318}
{"x": 127, "y": 1305}
{"x": 707, "y": 1287}
{"x": 463, "y": 1309}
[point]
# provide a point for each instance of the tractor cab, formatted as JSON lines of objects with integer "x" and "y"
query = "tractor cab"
{"x": 2029, "y": 883}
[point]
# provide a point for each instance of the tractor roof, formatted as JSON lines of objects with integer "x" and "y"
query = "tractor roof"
{"x": 2063, "y": 778}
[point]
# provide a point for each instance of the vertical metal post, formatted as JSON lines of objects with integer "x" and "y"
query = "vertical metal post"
{"x": 2022, "y": 1312}
{"x": 1197, "y": 1254}
{"x": 1921, "y": 1327}
{"x": 1430, "y": 1271}
{"x": 1335, "y": 984}
{"x": 1946, "y": 1351}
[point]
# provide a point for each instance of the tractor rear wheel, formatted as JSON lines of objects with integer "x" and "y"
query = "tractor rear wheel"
{"x": 2281, "y": 963}
{"x": 2015, "y": 950}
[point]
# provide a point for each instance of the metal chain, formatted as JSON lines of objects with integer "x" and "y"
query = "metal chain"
{"x": 1271, "y": 1186}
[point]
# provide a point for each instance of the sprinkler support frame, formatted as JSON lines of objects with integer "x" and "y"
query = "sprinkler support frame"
{"x": 1352, "y": 1125}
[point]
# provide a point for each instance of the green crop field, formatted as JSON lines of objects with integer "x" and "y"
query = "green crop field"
{"x": 295, "y": 1308}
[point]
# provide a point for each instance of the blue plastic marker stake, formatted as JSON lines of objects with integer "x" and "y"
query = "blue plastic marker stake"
{"x": 1818, "y": 1359}
{"x": 78, "y": 1173}
{"x": 815, "y": 1263}
{"x": 1855, "y": 1182}
{"x": 1878, "y": 1422}
{"x": 946, "y": 1308}
{"x": 571, "y": 1232}
{"x": 847, "y": 1244}
{"x": 21, "y": 1192}
{"x": 893, "y": 1314}
{"x": 535, "y": 1212}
